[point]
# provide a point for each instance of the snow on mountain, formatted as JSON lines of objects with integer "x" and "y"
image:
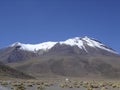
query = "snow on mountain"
{"x": 35, "y": 47}
{"x": 77, "y": 41}
{"x": 80, "y": 42}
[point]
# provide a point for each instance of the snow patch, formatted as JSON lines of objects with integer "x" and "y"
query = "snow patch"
{"x": 35, "y": 47}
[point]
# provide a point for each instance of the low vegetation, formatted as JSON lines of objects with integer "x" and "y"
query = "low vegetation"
{"x": 63, "y": 84}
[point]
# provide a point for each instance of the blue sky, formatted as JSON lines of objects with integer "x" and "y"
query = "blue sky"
{"x": 35, "y": 21}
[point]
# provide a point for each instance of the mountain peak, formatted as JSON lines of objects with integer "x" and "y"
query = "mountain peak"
{"x": 86, "y": 38}
{"x": 81, "y": 38}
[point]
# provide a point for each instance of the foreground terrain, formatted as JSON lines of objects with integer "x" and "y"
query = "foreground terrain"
{"x": 59, "y": 85}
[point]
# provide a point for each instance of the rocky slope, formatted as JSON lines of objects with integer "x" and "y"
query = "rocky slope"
{"x": 7, "y": 72}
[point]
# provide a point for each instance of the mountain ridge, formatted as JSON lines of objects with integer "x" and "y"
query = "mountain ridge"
{"x": 81, "y": 42}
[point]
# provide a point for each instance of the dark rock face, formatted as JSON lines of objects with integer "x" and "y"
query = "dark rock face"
{"x": 19, "y": 55}
{"x": 66, "y": 49}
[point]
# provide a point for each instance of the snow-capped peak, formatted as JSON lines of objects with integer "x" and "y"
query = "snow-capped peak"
{"x": 82, "y": 42}
{"x": 77, "y": 41}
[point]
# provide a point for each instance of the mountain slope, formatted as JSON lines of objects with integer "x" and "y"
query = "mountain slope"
{"x": 71, "y": 65}
{"x": 13, "y": 54}
{"x": 75, "y": 57}
{"x": 7, "y": 72}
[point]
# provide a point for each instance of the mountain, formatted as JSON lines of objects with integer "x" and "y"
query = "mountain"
{"x": 84, "y": 44}
{"x": 7, "y": 72}
{"x": 75, "y": 57}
